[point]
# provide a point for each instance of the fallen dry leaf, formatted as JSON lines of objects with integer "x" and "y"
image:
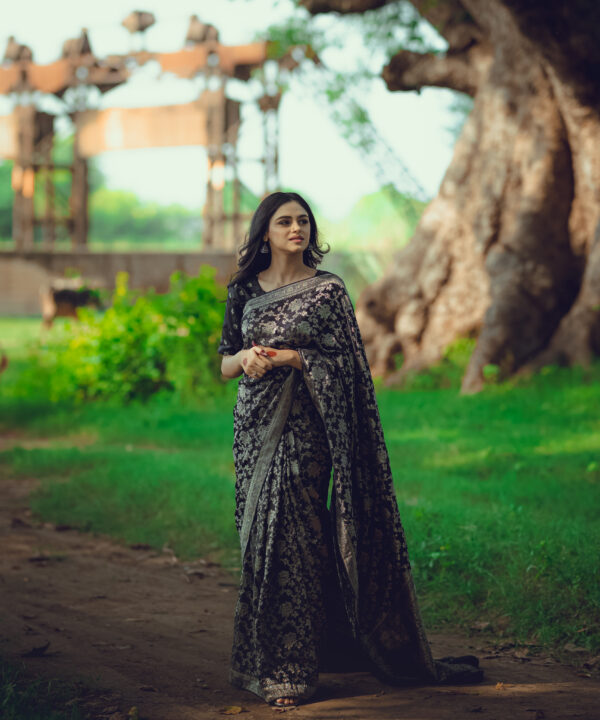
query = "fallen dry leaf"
{"x": 481, "y": 625}
{"x": 572, "y": 648}
{"x": 195, "y": 573}
{"x": 232, "y": 710}
{"x": 506, "y": 646}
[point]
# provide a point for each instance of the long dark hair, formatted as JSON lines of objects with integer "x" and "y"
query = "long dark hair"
{"x": 251, "y": 260}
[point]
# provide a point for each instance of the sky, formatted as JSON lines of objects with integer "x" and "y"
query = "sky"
{"x": 313, "y": 158}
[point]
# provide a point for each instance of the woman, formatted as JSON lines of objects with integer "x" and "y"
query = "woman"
{"x": 321, "y": 587}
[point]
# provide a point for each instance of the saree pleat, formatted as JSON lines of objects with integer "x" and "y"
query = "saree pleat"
{"x": 280, "y": 612}
{"x": 319, "y": 584}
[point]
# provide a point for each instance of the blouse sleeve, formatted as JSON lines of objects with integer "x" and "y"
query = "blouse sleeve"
{"x": 231, "y": 335}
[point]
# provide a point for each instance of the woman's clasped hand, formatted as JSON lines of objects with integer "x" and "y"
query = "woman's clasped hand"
{"x": 256, "y": 362}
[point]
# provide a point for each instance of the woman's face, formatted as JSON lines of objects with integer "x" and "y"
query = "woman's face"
{"x": 289, "y": 229}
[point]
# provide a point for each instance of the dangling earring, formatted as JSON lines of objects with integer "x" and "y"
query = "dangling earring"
{"x": 265, "y": 247}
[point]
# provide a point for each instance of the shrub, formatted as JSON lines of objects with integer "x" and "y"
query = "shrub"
{"x": 144, "y": 343}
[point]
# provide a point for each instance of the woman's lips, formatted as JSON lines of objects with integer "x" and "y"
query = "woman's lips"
{"x": 296, "y": 239}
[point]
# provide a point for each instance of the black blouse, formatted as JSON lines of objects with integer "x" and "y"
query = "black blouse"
{"x": 237, "y": 296}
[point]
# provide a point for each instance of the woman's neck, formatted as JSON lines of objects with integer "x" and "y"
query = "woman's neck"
{"x": 285, "y": 270}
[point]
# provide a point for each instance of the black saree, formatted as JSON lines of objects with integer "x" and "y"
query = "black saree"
{"x": 316, "y": 579}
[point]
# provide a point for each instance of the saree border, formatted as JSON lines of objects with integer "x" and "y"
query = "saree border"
{"x": 288, "y": 291}
{"x": 265, "y": 457}
{"x": 271, "y": 691}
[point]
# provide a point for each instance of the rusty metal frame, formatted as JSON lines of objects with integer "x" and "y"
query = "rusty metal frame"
{"x": 80, "y": 68}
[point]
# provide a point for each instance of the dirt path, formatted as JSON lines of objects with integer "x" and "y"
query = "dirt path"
{"x": 152, "y": 632}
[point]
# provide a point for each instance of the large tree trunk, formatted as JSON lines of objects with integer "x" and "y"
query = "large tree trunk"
{"x": 509, "y": 250}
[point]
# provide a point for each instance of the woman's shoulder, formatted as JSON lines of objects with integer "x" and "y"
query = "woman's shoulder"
{"x": 330, "y": 274}
{"x": 336, "y": 279}
{"x": 241, "y": 291}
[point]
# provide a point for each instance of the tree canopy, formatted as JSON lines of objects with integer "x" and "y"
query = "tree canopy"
{"x": 509, "y": 251}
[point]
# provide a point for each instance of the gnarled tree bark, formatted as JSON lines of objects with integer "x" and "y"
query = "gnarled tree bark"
{"x": 509, "y": 250}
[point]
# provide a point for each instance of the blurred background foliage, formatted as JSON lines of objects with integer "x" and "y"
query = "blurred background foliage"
{"x": 144, "y": 343}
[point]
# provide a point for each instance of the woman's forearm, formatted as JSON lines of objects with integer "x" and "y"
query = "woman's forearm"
{"x": 291, "y": 357}
{"x": 231, "y": 365}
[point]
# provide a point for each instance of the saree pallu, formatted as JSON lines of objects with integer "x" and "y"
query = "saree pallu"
{"x": 318, "y": 574}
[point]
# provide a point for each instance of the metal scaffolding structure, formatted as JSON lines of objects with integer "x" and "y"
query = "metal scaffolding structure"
{"x": 213, "y": 121}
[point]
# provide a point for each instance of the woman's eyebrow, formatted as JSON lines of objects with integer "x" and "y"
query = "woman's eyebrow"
{"x": 289, "y": 217}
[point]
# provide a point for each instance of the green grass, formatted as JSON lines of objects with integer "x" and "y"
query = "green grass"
{"x": 23, "y": 698}
{"x": 498, "y": 492}
{"x": 176, "y": 496}
{"x": 17, "y": 333}
{"x": 177, "y": 463}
